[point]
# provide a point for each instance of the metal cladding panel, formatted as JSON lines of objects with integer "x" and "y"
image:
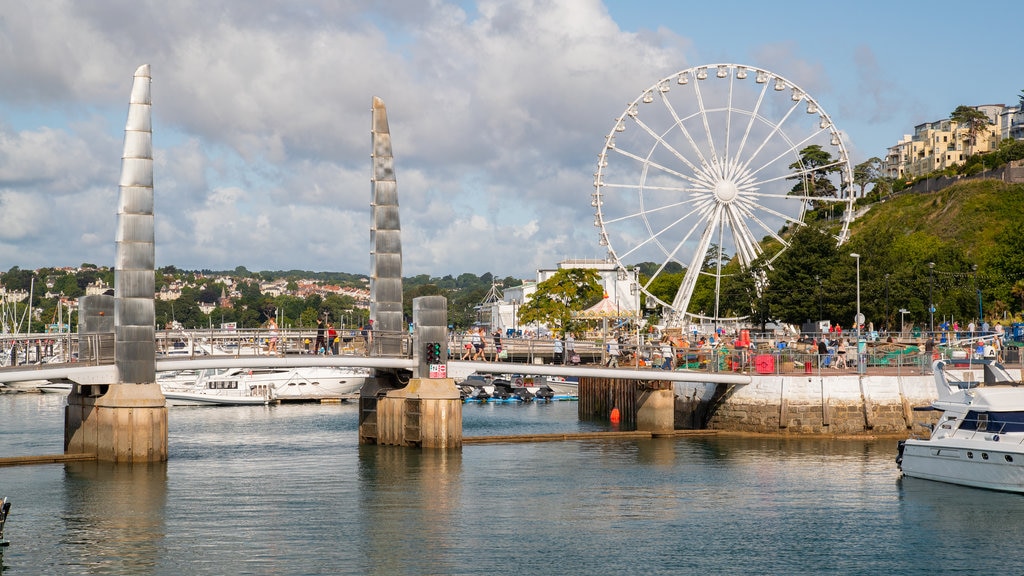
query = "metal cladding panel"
{"x": 138, "y": 144}
{"x": 382, "y": 142}
{"x": 385, "y": 193}
{"x": 135, "y": 371}
{"x": 136, "y": 334}
{"x": 136, "y": 200}
{"x": 139, "y": 118}
{"x": 388, "y": 290}
{"x": 383, "y": 168}
{"x": 134, "y": 228}
{"x": 386, "y": 218}
{"x": 136, "y": 312}
{"x": 95, "y": 314}
{"x": 430, "y": 311}
{"x": 387, "y": 242}
{"x": 380, "y": 116}
{"x": 140, "y": 85}
{"x": 396, "y": 307}
{"x": 136, "y": 172}
{"x": 134, "y": 283}
{"x": 389, "y": 321}
{"x": 135, "y": 255}
{"x": 387, "y": 265}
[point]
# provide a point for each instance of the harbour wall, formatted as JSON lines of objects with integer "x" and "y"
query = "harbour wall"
{"x": 813, "y": 404}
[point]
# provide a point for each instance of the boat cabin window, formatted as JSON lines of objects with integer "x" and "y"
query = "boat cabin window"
{"x": 222, "y": 385}
{"x": 1001, "y": 422}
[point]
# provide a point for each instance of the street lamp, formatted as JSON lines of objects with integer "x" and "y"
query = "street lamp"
{"x": 887, "y": 304}
{"x": 974, "y": 268}
{"x": 821, "y": 313}
{"x": 931, "y": 299}
{"x": 859, "y": 319}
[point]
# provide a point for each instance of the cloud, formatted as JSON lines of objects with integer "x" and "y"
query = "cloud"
{"x": 262, "y": 126}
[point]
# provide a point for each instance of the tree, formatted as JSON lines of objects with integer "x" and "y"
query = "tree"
{"x": 867, "y": 172}
{"x": 812, "y": 171}
{"x": 791, "y": 282}
{"x": 971, "y": 118}
{"x": 568, "y": 290}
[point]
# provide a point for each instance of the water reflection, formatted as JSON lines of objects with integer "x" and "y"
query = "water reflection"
{"x": 113, "y": 516}
{"x": 409, "y": 496}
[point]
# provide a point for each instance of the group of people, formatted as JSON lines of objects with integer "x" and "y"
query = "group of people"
{"x": 328, "y": 340}
{"x": 476, "y": 347}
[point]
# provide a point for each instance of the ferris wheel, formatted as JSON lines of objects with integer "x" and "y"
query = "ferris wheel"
{"x": 706, "y": 164}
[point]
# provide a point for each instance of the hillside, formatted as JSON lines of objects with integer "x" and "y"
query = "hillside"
{"x": 967, "y": 218}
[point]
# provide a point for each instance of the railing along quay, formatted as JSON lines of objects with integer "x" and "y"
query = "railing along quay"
{"x": 761, "y": 358}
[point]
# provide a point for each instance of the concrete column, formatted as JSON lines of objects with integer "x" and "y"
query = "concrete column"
{"x": 427, "y": 413}
{"x": 656, "y": 412}
{"x": 117, "y": 422}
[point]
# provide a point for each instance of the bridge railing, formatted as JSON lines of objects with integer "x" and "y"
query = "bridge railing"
{"x": 195, "y": 343}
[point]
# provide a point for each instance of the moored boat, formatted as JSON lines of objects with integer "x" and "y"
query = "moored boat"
{"x": 979, "y": 438}
{"x": 261, "y": 385}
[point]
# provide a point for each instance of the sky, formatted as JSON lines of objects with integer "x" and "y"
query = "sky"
{"x": 498, "y": 111}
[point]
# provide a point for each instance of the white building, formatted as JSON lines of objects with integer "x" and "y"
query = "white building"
{"x": 619, "y": 284}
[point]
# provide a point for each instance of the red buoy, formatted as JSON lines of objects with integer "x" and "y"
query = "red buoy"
{"x": 615, "y": 416}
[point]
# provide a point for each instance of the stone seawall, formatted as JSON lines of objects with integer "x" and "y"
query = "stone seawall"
{"x": 798, "y": 405}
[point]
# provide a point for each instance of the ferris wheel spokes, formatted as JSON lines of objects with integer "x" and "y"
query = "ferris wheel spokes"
{"x": 716, "y": 161}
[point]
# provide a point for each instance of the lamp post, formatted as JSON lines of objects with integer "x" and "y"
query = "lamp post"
{"x": 859, "y": 319}
{"x": 887, "y": 304}
{"x": 974, "y": 268}
{"x": 820, "y": 309}
{"x": 634, "y": 289}
{"x": 931, "y": 299}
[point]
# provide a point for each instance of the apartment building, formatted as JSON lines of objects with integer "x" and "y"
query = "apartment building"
{"x": 943, "y": 143}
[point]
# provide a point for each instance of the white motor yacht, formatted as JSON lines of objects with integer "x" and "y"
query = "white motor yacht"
{"x": 262, "y": 385}
{"x": 979, "y": 439}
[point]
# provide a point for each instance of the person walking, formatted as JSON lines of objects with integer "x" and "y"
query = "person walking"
{"x": 558, "y": 356}
{"x": 272, "y": 336}
{"x": 613, "y": 354}
{"x": 320, "y": 345}
{"x": 497, "y": 345}
{"x": 332, "y": 339}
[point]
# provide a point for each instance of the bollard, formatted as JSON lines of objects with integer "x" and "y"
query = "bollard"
{"x": 807, "y": 366}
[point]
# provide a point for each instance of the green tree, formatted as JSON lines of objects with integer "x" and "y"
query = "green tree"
{"x": 566, "y": 291}
{"x": 812, "y": 172}
{"x": 971, "y": 118}
{"x": 867, "y": 172}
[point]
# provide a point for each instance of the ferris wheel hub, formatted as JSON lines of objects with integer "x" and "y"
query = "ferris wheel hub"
{"x": 726, "y": 191}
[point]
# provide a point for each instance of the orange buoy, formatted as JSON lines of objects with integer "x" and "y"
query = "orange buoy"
{"x": 615, "y": 416}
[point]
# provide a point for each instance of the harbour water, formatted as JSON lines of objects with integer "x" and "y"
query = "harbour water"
{"x": 288, "y": 490}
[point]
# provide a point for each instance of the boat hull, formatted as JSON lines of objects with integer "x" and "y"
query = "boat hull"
{"x": 987, "y": 462}
{"x": 181, "y": 398}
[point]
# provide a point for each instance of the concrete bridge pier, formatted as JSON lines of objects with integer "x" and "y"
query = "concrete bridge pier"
{"x": 655, "y": 409}
{"x": 427, "y": 412}
{"x": 117, "y": 422}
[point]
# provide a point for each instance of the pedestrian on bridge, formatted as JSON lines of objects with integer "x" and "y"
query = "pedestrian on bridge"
{"x": 320, "y": 346}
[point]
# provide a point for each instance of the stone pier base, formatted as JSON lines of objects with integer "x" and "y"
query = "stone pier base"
{"x": 656, "y": 412}
{"x": 426, "y": 414}
{"x": 117, "y": 422}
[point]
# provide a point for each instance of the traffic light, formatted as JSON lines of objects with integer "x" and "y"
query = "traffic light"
{"x": 433, "y": 353}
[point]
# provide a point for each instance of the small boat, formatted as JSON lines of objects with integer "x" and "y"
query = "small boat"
{"x": 5, "y": 509}
{"x": 979, "y": 438}
{"x": 55, "y": 388}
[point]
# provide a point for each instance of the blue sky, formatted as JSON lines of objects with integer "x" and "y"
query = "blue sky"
{"x": 498, "y": 111}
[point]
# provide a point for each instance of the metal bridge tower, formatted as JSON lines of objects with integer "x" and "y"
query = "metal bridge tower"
{"x": 126, "y": 421}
